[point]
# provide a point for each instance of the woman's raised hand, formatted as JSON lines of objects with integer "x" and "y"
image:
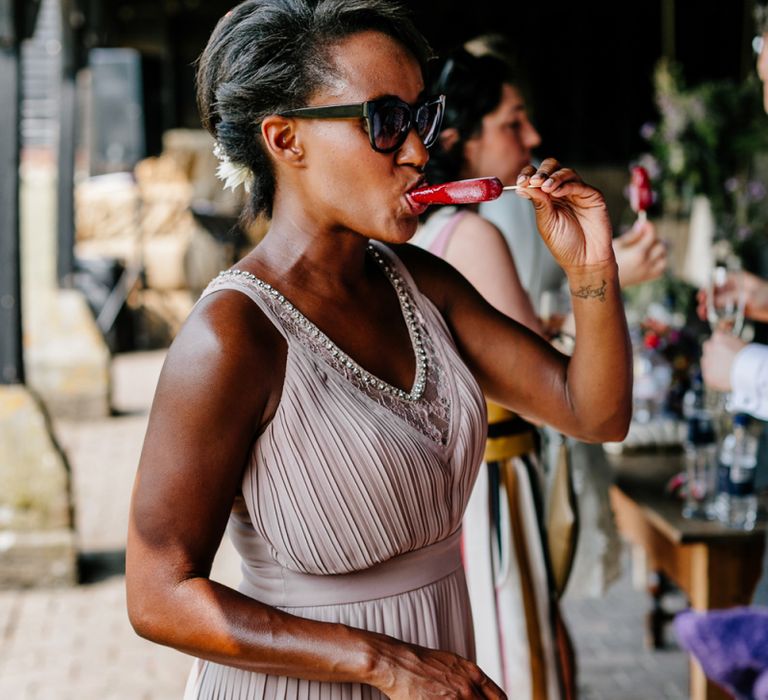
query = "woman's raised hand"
{"x": 640, "y": 254}
{"x": 405, "y": 671}
{"x": 571, "y": 215}
{"x": 753, "y": 288}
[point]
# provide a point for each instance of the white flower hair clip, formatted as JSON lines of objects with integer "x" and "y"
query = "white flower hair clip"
{"x": 232, "y": 174}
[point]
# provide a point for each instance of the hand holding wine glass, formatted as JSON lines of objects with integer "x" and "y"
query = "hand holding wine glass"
{"x": 753, "y": 289}
{"x": 724, "y": 301}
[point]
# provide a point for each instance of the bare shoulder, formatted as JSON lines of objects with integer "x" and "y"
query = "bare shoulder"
{"x": 477, "y": 236}
{"x": 472, "y": 224}
{"x": 222, "y": 374}
{"x": 227, "y": 351}
{"x": 474, "y": 237}
{"x": 473, "y": 234}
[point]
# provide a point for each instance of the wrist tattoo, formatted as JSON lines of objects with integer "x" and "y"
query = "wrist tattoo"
{"x": 590, "y": 292}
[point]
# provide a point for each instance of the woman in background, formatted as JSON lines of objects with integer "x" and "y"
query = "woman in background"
{"x": 641, "y": 257}
{"x": 521, "y": 641}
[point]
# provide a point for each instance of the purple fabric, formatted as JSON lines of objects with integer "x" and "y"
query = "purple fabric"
{"x": 731, "y": 646}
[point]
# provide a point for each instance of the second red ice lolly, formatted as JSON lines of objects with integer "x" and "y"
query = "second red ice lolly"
{"x": 479, "y": 189}
{"x": 640, "y": 193}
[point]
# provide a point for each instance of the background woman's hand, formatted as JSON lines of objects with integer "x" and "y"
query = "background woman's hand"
{"x": 717, "y": 358}
{"x": 571, "y": 215}
{"x": 640, "y": 254}
{"x": 753, "y": 288}
{"x": 406, "y": 671}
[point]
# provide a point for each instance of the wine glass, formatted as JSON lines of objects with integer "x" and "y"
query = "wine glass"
{"x": 726, "y": 299}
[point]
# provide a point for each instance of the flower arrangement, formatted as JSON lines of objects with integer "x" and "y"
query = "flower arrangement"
{"x": 705, "y": 143}
{"x": 676, "y": 344}
{"x": 670, "y": 338}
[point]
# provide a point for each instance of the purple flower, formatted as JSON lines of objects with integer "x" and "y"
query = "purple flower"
{"x": 647, "y": 131}
{"x": 756, "y": 190}
{"x": 731, "y": 184}
{"x": 650, "y": 164}
{"x": 743, "y": 232}
{"x": 673, "y": 118}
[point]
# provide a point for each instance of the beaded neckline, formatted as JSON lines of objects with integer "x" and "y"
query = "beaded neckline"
{"x": 406, "y": 306}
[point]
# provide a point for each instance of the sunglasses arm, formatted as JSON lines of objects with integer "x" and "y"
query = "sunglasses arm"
{"x": 327, "y": 112}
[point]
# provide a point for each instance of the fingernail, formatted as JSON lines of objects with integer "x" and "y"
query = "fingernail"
{"x": 549, "y": 183}
{"x": 537, "y": 177}
{"x": 520, "y": 179}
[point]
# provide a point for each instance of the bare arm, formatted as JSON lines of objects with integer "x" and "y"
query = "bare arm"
{"x": 221, "y": 383}
{"x": 478, "y": 250}
{"x": 641, "y": 256}
{"x": 588, "y": 395}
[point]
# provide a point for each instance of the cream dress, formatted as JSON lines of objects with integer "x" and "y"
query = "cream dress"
{"x": 353, "y": 497}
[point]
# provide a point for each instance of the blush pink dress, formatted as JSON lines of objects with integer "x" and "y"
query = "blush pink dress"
{"x": 353, "y": 497}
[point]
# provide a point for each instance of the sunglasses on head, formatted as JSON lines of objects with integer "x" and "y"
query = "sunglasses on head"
{"x": 388, "y": 119}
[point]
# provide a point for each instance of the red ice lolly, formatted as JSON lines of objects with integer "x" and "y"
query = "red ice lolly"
{"x": 479, "y": 189}
{"x": 640, "y": 192}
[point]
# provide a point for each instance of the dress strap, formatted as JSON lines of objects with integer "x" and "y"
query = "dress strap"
{"x": 443, "y": 238}
{"x": 252, "y": 287}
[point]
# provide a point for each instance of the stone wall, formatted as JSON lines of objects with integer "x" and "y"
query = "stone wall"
{"x": 37, "y": 542}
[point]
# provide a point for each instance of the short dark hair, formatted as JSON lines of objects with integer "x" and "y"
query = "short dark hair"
{"x": 266, "y": 56}
{"x": 472, "y": 86}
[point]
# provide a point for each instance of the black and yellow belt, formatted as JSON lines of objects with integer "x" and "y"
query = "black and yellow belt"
{"x": 509, "y": 435}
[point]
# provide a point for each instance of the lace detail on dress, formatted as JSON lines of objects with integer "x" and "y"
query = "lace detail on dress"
{"x": 427, "y": 407}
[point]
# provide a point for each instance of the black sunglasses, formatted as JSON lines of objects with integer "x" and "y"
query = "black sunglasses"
{"x": 388, "y": 119}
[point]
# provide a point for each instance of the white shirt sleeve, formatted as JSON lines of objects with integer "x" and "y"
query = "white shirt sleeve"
{"x": 749, "y": 382}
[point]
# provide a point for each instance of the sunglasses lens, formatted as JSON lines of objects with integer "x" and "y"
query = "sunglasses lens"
{"x": 391, "y": 121}
{"x": 428, "y": 120}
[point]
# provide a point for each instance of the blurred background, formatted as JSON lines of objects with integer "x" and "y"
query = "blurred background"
{"x": 112, "y": 221}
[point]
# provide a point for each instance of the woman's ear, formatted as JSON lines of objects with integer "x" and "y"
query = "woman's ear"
{"x": 281, "y": 139}
{"x": 448, "y": 138}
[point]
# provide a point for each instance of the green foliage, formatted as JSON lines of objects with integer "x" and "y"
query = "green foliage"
{"x": 675, "y": 295}
{"x": 705, "y": 143}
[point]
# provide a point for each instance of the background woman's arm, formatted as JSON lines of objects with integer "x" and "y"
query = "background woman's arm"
{"x": 479, "y": 251}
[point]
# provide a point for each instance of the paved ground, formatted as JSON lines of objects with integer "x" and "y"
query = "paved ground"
{"x": 76, "y": 644}
{"x": 612, "y": 660}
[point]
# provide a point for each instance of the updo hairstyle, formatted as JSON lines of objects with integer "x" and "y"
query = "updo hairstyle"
{"x": 266, "y": 56}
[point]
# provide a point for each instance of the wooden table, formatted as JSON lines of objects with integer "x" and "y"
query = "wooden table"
{"x": 714, "y": 566}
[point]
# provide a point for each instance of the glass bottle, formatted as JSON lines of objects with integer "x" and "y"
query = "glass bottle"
{"x": 700, "y": 452}
{"x": 739, "y": 506}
